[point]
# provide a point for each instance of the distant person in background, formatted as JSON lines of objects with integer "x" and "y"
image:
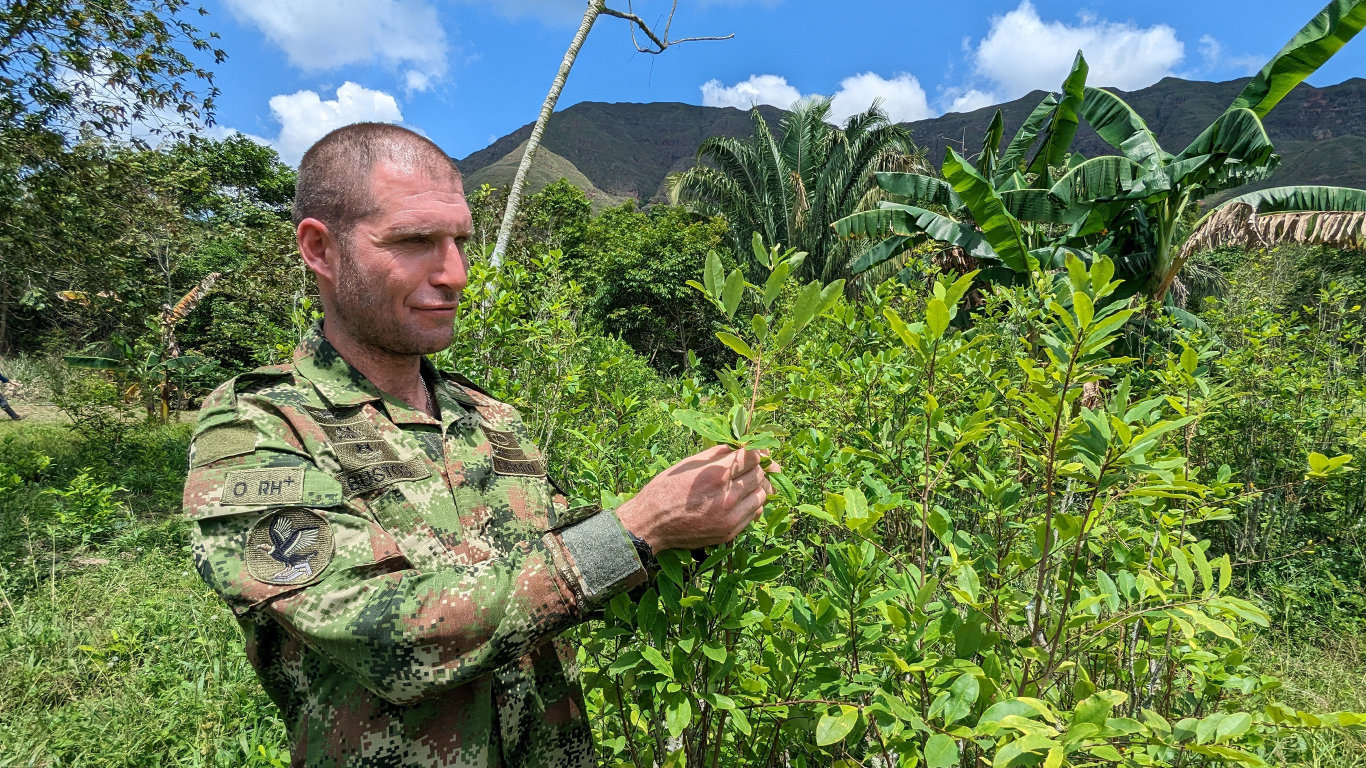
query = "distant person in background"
{"x": 4, "y": 404}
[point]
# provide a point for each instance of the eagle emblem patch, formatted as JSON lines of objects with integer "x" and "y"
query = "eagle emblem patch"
{"x": 289, "y": 547}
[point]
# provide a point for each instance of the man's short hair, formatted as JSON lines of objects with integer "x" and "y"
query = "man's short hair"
{"x": 334, "y": 175}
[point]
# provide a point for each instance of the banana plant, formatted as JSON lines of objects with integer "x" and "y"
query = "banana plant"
{"x": 1144, "y": 193}
{"x": 1000, "y": 211}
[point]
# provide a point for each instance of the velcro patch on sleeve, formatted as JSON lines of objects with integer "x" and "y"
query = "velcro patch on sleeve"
{"x": 232, "y": 439}
{"x": 264, "y": 487}
{"x": 289, "y": 547}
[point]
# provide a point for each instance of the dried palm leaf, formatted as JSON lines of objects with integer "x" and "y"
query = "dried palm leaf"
{"x": 1238, "y": 225}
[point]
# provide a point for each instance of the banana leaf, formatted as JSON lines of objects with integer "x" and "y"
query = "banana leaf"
{"x": 991, "y": 146}
{"x": 999, "y": 228}
{"x": 1307, "y": 50}
{"x": 1121, "y": 127}
{"x": 1063, "y": 127}
{"x": 1040, "y": 205}
{"x": 1236, "y": 138}
{"x": 1303, "y": 199}
{"x": 1015, "y": 152}
{"x": 1110, "y": 176}
{"x": 920, "y": 189}
{"x": 894, "y": 220}
{"x": 879, "y": 253}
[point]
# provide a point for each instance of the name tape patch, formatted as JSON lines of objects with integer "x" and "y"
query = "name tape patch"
{"x": 357, "y": 481}
{"x": 275, "y": 485}
{"x": 509, "y": 458}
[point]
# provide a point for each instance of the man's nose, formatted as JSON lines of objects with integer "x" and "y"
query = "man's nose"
{"x": 454, "y": 272}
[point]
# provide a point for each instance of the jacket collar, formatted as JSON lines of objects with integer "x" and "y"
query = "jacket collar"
{"x": 340, "y": 384}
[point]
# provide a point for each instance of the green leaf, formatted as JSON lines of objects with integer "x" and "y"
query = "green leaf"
{"x": 714, "y": 651}
{"x": 712, "y": 275}
{"x": 657, "y": 660}
{"x": 785, "y": 488}
{"x": 733, "y": 290}
{"x": 936, "y": 318}
{"x": 710, "y": 426}
{"x": 962, "y": 696}
{"x": 774, "y": 284}
{"x": 761, "y": 254}
{"x": 832, "y": 728}
{"x": 677, "y": 716}
{"x": 808, "y": 302}
{"x": 1307, "y": 50}
{"x": 999, "y": 228}
{"x": 738, "y": 344}
{"x": 954, "y": 293}
{"x": 1085, "y": 309}
{"x": 941, "y": 751}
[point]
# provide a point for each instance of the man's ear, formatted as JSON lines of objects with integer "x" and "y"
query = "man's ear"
{"x": 319, "y": 249}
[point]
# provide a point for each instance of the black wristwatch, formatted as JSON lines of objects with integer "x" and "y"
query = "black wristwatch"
{"x": 646, "y": 554}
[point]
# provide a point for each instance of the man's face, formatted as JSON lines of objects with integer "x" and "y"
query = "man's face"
{"x": 403, "y": 267}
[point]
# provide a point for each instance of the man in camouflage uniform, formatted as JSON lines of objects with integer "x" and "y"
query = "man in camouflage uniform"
{"x": 385, "y": 533}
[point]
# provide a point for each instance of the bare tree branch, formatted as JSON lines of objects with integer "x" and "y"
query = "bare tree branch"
{"x": 595, "y": 8}
{"x": 661, "y": 43}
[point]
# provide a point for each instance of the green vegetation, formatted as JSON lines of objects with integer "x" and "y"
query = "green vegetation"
{"x": 1024, "y": 519}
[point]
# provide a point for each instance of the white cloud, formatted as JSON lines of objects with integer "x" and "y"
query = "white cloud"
{"x": 960, "y": 100}
{"x": 1215, "y": 60}
{"x": 305, "y": 117}
{"x": 903, "y": 97}
{"x": 1022, "y": 52}
{"x": 316, "y": 35}
{"x": 758, "y": 89}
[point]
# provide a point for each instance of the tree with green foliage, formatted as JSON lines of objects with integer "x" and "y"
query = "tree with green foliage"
{"x": 641, "y": 261}
{"x": 83, "y": 70}
{"x": 790, "y": 189}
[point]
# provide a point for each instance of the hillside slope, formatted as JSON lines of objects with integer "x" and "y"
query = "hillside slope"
{"x": 626, "y": 150}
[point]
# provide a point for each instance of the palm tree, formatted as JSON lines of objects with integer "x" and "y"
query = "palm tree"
{"x": 791, "y": 189}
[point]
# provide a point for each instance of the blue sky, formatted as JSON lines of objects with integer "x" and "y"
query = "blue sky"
{"x": 465, "y": 73}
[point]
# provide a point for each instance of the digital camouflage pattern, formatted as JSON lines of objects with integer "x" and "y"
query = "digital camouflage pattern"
{"x": 401, "y": 582}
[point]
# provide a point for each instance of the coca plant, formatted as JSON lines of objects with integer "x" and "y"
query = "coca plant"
{"x": 993, "y": 551}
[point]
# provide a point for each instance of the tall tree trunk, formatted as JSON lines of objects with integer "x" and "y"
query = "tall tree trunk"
{"x": 590, "y": 15}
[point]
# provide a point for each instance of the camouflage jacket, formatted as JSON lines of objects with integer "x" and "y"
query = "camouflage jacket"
{"x": 400, "y": 581}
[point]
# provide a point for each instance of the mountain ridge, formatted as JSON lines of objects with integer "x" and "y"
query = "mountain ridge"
{"x": 626, "y": 149}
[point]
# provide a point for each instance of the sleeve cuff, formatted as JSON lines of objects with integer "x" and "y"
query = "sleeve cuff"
{"x": 599, "y": 561}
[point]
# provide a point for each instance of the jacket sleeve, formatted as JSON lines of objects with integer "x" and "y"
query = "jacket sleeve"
{"x": 402, "y": 632}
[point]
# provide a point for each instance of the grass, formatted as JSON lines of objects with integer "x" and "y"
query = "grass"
{"x": 130, "y": 661}
{"x": 1324, "y": 676}
{"x": 114, "y": 653}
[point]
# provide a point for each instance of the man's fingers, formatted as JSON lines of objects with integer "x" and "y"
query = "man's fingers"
{"x": 742, "y": 461}
{"x": 747, "y": 511}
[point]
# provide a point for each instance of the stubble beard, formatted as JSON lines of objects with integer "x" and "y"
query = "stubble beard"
{"x": 365, "y": 315}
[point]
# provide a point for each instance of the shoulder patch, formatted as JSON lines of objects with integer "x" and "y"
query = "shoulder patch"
{"x": 264, "y": 487}
{"x": 291, "y": 547}
{"x": 220, "y": 442}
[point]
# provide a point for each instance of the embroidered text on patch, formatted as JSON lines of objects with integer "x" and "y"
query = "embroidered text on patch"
{"x": 276, "y": 485}
{"x": 290, "y": 546}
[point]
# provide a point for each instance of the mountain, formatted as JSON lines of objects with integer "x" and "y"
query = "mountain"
{"x": 547, "y": 168}
{"x": 626, "y": 150}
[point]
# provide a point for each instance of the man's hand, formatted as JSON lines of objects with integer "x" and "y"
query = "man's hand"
{"x": 707, "y": 498}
